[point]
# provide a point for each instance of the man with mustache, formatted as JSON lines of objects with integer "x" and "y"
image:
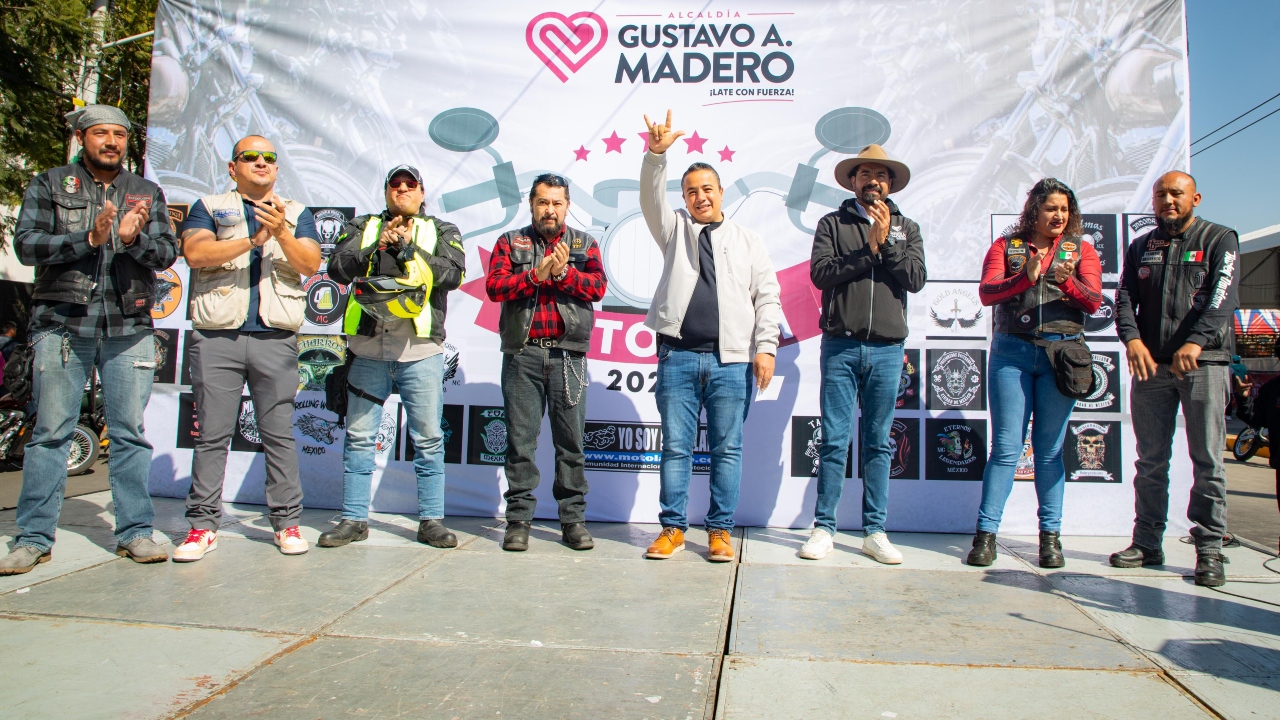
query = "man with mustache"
{"x": 546, "y": 275}
{"x": 1174, "y": 312}
{"x": 248, "y": 250}
{"x": 397, "y": 340}
{"x": 716, "y": 313}
{"x": 96, "y": 233}
{"x": 866, "y": 258}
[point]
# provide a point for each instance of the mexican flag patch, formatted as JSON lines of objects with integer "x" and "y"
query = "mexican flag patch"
{"x": 1193, "y": 256}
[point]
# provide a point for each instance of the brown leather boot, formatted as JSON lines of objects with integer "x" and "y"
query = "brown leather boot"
{"x": 721, "y": 546}
{"x": 670, "y": 542}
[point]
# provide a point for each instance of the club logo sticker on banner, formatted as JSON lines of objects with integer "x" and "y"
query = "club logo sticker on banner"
{"x": 956, "y": 313}
{"x": 168, "y": 294}
{"x": 1101, "y": 232}
{"x": 909, "y": 382}
{"x": 450, "y": 428}
{"x": 956, "y": 379}
{"x": 635, "y": 447}
{"x": 177, "y": 216}
{"x": 1091, "y": 452}
{"x": 318, "y": 355}
{"x": 318, "y": 433}
{"x": 486, "y": 435}
{"x": 166, "y": 342}
{"x": 329, "y": 222}
{"x": 957, "y": 448}
{"x": 326, "y": 299}
{"x": 806, "y": 442}
{"x": 1026, "y": 467}
{"x": 1101, "y": 324}
{"x": 1106, "y": 384}
{"x": 904, "y": 443}
{"x": 244, "y": 435}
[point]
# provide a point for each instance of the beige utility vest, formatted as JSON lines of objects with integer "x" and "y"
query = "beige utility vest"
{"x": 220, "y": 294}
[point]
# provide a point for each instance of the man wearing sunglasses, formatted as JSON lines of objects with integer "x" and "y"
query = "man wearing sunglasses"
{"x": 248, "y": 250}
{"x": 398, "y": 340}
{"x": 95, "y": 233}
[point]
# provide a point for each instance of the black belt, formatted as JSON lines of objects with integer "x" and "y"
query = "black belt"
{"x": 542, "y": 342}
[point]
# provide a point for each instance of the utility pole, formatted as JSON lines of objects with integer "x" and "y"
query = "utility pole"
{"x": 87, "y": 88}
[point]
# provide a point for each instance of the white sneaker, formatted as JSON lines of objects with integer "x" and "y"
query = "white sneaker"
{"x": 817, "y": 546}
{"x": 198, "y": 543}
{"x": 291, "y": 542}
{"x": 876, "y": 546}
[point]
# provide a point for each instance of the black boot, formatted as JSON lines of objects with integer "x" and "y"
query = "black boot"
{"x": 984, "y": 550}
{"x": 348, "y": 531}
{"x": 1051, "y": 550}
{"x": 576, "y": 536}
{"x": 1137, "y": 556}
{"x": 1209, "y": 572}
{"x": 516, "y": 538}
{"x": 432, "y": 533}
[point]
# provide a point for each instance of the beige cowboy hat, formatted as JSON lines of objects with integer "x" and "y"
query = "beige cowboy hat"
{"x": 872, "y": 154}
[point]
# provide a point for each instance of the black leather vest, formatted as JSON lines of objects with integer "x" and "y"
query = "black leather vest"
{"x": 1043, "y": 308}
{"x": 527, "y": 248}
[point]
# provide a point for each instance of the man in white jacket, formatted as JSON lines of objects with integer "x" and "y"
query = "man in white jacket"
{"x": 716, "y": 313}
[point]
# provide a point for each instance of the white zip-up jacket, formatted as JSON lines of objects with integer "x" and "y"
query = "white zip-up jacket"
{"x": 746, "y": 285}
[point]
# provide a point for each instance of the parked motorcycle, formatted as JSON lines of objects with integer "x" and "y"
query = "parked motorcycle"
{"x": 1248, "y": 442}
{"x": 87, "y": 440}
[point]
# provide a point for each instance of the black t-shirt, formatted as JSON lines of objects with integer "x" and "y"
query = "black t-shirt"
{"x": 700, "y": 329}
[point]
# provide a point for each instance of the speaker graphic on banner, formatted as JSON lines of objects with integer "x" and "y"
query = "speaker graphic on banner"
{"x": 1091, "y": 452}
{"x": 957, "y": 448}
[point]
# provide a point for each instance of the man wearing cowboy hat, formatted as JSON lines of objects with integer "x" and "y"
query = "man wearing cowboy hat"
{"x": 866, "y": 258}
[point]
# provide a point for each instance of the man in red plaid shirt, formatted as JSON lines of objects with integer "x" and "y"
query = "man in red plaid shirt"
{"x": 547, "y": 276}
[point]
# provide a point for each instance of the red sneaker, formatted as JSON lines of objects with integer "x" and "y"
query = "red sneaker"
{"x": 291, "y": 542}
{"x": 198, "y": 543}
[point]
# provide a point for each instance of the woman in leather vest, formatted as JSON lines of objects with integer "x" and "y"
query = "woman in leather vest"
{"x": 1043, "y": 279}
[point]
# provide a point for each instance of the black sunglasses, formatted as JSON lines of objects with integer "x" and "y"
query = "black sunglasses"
{"x": 253, "y": 155}
{"x": 396, "y": 182}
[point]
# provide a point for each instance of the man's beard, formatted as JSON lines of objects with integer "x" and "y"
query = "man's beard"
{"x": 103, "y": 166}
{"x": 869, "y": 195}
{"x": 552, "y": 232}
{"x": 1172, "y": 226}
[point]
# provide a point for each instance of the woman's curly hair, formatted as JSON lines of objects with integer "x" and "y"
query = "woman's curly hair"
{"x": 1036, "y": 197}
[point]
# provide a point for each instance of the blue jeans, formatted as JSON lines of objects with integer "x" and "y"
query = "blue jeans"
{"x": 125, "y": 365}
{"x": 421, "y": 385}
{"x": 687, "y": 382}
{"x": 1020, "y": 385}
{"x": 857, "y": 373}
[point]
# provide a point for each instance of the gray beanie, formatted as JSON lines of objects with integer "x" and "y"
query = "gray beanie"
{"x": 90, "y": 115}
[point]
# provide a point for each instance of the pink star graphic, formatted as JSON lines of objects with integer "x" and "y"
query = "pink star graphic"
{"x": 726, "y": 155}
{"x": 695, "y": 142}
{"x": 581, "y": 153}
{"x": 613, "y": 143}
{"x": 644, "y": 141}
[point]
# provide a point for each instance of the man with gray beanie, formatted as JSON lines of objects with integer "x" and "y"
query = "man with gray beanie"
{"x": 96, "y": 233}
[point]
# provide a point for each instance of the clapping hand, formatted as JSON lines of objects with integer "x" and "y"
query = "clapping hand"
{"x": 1064, "y": 271}
{"x": 101, "y": 231}
{"x": 132, "y": 222}
{"x": 1033, "y": 267}
{"x": 661, "y": 137}
{"x": 553, "y": 262}
{"x": 270, "y": 215}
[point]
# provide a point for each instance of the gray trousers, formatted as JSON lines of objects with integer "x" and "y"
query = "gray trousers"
{"x": 222, "y": 362}
{"x": 1154, "y": 404}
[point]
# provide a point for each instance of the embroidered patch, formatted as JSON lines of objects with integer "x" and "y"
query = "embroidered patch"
{"x": 1144, "y": 272}
{"x": 1193, "y": 256}
{"x": 1069, "y": 246}
{"x": 1198, "y": 279}
{"x": 1155, "y": 243}
{"x": 1016, "y": 250}
{"x": 898, "y": 234}
{"x": 521, "y": 242}
{"x": 71, "y": 184}
{"x": 131, "y": 201}
{"x": 226, "y": 218}
{"x": 576, "y": 244}
{"x": 1152, "y": 257}
{"x": 1016, "y": 263}
{"x": 1015, "y": 242}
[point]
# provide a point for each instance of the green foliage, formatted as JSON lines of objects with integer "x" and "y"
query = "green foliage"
{"x": 43, "y": 44}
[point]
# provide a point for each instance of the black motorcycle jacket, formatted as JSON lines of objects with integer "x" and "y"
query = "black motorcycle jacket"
{"x": 864, "y": 296}
{"x": 1181, "y": 289}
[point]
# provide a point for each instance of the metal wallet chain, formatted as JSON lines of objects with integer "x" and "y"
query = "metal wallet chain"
{"x": 566, "y": 362}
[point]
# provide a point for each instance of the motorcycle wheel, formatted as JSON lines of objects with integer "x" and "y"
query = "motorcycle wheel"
{"x": 1245, "y": 446}
{"x": 84, "y": 450}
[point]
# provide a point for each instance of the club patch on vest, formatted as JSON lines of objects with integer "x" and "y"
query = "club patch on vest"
{"x": 576, "y": 244}
{"x": 1016, "y": 243}
{"x": 132, "y": 201}
{"x": 1144, "y": 272}
{"x": 1016, "y": 263}
{"x": 1155, "y": 243}
{"x": 1153, "y": 257}
{"x": 521, "y": 242}
{"x": 1069, "y": 247}
{"x": 71, "y": 184}
{"x": 226, "y": 217}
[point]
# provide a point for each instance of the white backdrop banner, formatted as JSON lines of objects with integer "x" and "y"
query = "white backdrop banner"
{"x": 980, "y": 97}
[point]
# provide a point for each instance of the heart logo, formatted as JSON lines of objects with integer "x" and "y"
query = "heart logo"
{"x": 565, "y": 44}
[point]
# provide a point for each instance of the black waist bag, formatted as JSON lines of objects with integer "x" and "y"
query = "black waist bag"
{"x": 1072, "y": 367}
